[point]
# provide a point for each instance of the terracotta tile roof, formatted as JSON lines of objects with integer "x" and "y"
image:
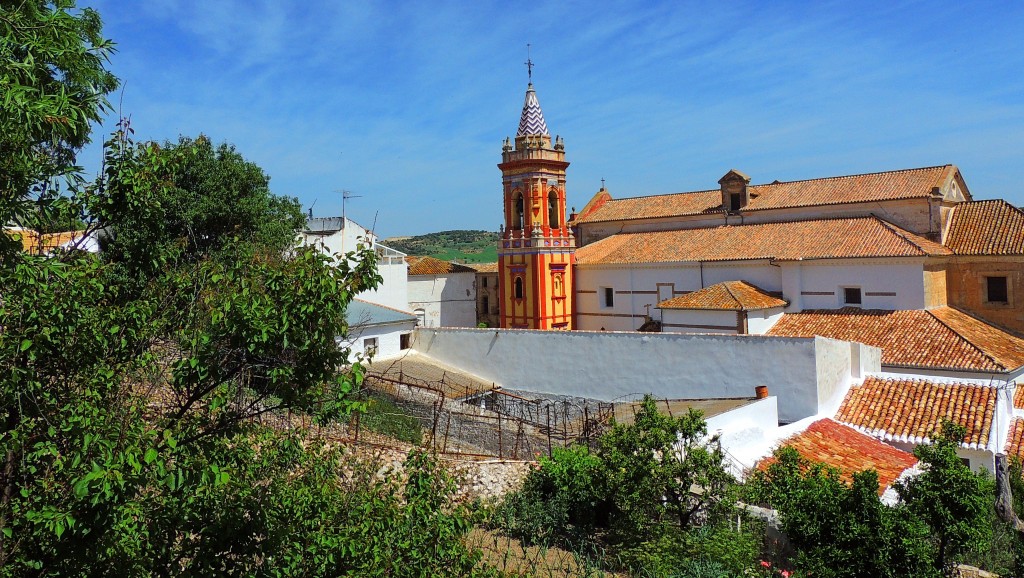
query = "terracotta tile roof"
{"x": 727, "y": 296}
{"x": 1018, "y": 397}
{"x": 484, "y": 267}
{"x": 940, "y": 338}
{"x": 912, "y": 410}
{"x": 1015, "y": 439}
{"x": 814, "y": 239}
{"x": 902, "y": 184}
{"x": 848, "y": 450}
{"x": 35, "y": 243}
{"x": 986, "y": 228}
{"x": 434, "y": 266}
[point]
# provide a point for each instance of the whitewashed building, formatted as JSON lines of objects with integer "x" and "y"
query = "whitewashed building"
{"x": 441, "y": 293}
{"x": 376, "y": 331}
{"x": 340, "y": 236}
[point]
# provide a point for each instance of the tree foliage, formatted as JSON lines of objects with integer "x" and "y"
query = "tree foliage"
{"x": 131, "y": 398}
{"x": 952, "y": 500}
{"x": 839, "y": 529}
{"x": 655, "y": 493}
{"x": 199, "y": 202}
{"x": 54, "y": 84}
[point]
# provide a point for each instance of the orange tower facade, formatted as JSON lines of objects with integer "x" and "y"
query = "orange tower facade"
{"x": 535, "y": 253}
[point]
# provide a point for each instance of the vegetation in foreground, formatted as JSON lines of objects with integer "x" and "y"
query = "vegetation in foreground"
{"x": 640, "y": 504}
{"x": 132, "y": 381}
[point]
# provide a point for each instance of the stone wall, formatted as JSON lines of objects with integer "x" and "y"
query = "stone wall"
{"x": 966, "y": 289}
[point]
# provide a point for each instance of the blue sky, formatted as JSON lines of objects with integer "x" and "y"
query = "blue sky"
{"x": 407, "y": 103}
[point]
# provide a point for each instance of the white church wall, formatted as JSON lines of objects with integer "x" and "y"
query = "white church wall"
{"x": 759, "y": 322}
{"x": 636, "y": 287}
{"x": 891, "y": 284}
{"x": 446, "y": 300}
{"x": 697, "y": 321}
{"x": 674, "y": 366}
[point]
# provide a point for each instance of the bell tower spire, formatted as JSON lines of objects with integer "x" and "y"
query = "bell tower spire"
{"x": 536, "y": 249}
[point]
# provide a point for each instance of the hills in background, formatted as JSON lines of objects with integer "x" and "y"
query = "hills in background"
{"x": 463, "y": 246}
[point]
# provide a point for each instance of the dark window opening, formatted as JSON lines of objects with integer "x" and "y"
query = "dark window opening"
{"x": 484, "y": 281}
{"x": 734, "y": 202}
{"x": 518, "y": 288}
{"x": 609, "y": 297}
{"x": 553, "y": 220}
{"x": 404, "y": 340}
{"x": 518, "y": 222}
{"x": 486, "y": 304}
{"x": 997, "y": 289}
{"x": 851, "y": 295}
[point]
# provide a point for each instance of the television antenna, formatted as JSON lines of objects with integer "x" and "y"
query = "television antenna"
{"x": 345, "y": 196}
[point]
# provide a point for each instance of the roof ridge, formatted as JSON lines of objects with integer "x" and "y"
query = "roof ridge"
{"x": 775, "y": 183}
{"x": 984, "y": 353}
{"x": 899, "y": 233}
{"x": 850, "y": 176}
{"x": 731, "y": 294}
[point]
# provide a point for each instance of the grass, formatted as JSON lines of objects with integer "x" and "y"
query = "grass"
{"x": 510, "y": 557}
{"x": 382, "y": 416}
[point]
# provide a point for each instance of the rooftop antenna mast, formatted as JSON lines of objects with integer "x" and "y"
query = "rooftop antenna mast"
{"x": 529, "y": 64}
{"x": 345, "y": 196}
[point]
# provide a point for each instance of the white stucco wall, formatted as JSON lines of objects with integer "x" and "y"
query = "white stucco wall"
{"x": 697, "y": 321}
{"x": 611, "y": 365}
{"x": 891, "y": 284}
{"x": 884, "y": 284}
{"x": 393, "y": 290}
{"x": 743, "y": 428}
{"x": 388, "y": 339}
{"x": 447, "y": 300}
{"x": 759, "y": 322}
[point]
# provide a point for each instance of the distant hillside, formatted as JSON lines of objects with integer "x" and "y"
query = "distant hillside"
{"x": 463, "y": 246}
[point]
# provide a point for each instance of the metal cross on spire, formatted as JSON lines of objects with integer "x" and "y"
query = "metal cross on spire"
{"x": 529, "y": 64}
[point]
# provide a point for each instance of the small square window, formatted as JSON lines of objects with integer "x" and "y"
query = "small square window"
{"x": 851, "y": 296}
{"x": 997, "y": 290}
{"x": 608, "y": 294}
{"x": 404, "y": 340}
{"x": 370, "y": 346}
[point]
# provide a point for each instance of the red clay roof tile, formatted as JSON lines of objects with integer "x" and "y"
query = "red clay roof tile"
{"x": 726, "y": 296}
{"x": 902, "y": 184}
{"x": 434, "y": 266}
{"x": 1015, "y": 439}
{"x": 791, "y": 240}
{"x": 992, "y": 227}
{"x": 850, "y": 451}
{"x": 912, "y": 410}
{"x": 939, "y": 338}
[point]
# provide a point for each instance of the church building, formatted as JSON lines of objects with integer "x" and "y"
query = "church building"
{"x": 535, "y": 252}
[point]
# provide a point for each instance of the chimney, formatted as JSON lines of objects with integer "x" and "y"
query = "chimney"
{"x": 735, "y": 195}
{"x": 761, "y": 392}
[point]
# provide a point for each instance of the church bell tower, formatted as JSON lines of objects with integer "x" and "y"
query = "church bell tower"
{"x": 535, "y": 252}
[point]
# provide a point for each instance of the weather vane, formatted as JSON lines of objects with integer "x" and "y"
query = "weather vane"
{"x": 529, "y": 64}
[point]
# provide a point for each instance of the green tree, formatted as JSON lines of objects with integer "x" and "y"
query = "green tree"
{"x": 130, "y": 420}
{"x": 951, "y": 499}
{"x": 655, "y": 493}
{"x": 170, "y": 205}
{"x": 838, "y": 529}
{"x": 652, "y": 465}
{"x": 54, "y": 80}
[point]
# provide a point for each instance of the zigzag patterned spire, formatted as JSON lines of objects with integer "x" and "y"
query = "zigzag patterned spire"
{"x": 532, "y": 120}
